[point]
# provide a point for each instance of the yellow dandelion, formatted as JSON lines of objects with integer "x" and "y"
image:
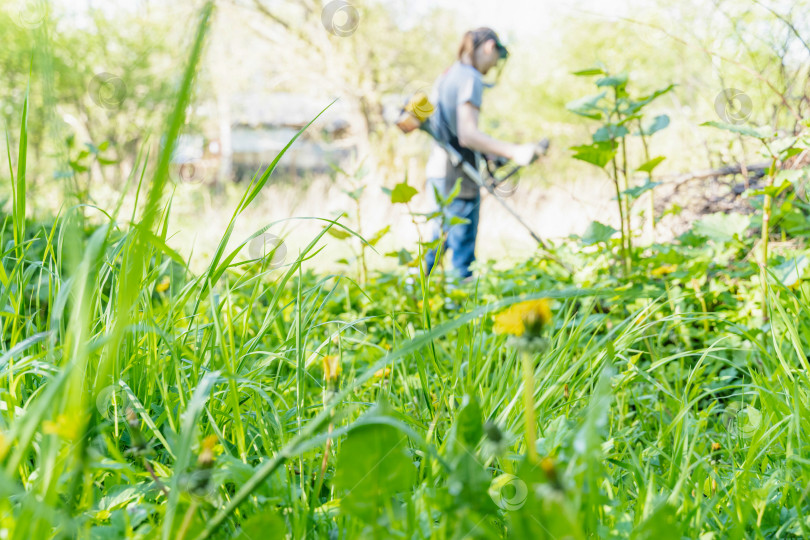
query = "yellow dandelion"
{"x": 796, "y": 284}
{"x": 663, "y": 270}
{"x": 210, "y": 442}
{"x": 382, "y": 373}
{"x": 433, "y": 303}
{"x": 206, "y": 457}
{"x": 4, "y": 445}
{"x": 65, "y": 427}
{"x": 163, "y": 286}
{"x": 530, "y": 316}
{"x": 331, "y": 367}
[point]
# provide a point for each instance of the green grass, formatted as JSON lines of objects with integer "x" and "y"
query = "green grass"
{"x": 140, "y": 400}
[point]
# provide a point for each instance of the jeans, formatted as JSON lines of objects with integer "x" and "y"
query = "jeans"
{"x": 460, "y": 238}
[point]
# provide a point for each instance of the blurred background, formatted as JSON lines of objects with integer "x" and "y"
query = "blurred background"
{"x": 102, "y": 76}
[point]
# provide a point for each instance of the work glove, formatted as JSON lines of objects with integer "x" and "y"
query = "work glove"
{"x": 527, "y": 153}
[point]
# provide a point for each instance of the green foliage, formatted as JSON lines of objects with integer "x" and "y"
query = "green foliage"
{"x": 372, "y": 465}
{"x": 403, "y": 193}
{"x": 597, "y": 232}
{"x": 600, "y": 153}
{"x": 262, "y": 525}
{"x": 617, "y": 111}
{"x": 742, "y": 129}
{"x": 142, "y": 400}
{"x": 722, "y": 227}
{"x": 649, "y": 166}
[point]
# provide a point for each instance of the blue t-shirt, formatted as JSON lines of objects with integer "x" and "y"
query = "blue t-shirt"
{"x": 461, "y": 83}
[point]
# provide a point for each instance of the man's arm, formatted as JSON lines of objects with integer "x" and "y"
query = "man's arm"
{"x": 471, "y": 137}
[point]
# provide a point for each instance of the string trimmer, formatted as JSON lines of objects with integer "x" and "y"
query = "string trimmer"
{"x": 414, "y": 117}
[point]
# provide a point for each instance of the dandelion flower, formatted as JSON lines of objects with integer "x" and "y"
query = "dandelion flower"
{"x": 4, "y": 445}
{"x": 524, "y": 324}
{"x": 163, "y": 286}
{"x": 331, "y": 367}
{"x": 663, "y": 270}
{"x": 526, "y": 318}
{"x": 206, "y": 458}
{"x": 65, "y": 427}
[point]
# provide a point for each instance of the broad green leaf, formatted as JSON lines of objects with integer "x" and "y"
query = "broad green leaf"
{"x": 788, "y": 153}
{"x": 361, "y": 171}
{"x": 655, "y": 125}
{"x": 433, "y": 244}
{"x": 761, "y": 133}
{"x": 469, "y": 483}
{"x": 403, "y": 193}
{"x": 633, "y": 106}
{"x": 597, "y": 232}
{"x": 609, "y": 132}
{"x": 444, "y": 201}
{"x": 455, "y": 220}
{"x": 782, "y": 180}
{"x": 628, "y": 119}
{"x": 263, "y": 524}
{"x": 403, "y": 255}
{"x": 338, "y": 233}
{"x": 648, "y": 166}
{"x": 792, "y": 270}
{"x": 372, "y": 466}
{"x": 722, "y": 227}
{"x": 76, "y": 166}
{"x": 637, "y": 191}
{"x": 453, "y": 193}
{"x": 770, "y": 190}
{"x": 789, "y": 176}
{"x": 615, "y": 81}
{"x": 119, "y": 496}
{"x": 747, "y": 421}
{"x": 355, "y": 194}
{"x": 469, "y": 422}
{"x": 378, "y": 235}
{"x": 598, "y": 154}
{"x": 588, "y": 106}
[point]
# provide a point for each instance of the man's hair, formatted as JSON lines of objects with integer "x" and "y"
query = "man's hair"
{"x": 473, "y": 38}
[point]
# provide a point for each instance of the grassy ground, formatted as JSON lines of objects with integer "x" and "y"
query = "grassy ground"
{"x": 253, "y": 397}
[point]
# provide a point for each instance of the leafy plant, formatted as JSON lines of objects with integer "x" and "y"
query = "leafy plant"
{"x": 619, "y": 113}
{"x": 358, "y": 242}
{"x": 778, "y": 150}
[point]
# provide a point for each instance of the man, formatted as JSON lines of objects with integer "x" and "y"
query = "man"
{"x": 457, "y": 97}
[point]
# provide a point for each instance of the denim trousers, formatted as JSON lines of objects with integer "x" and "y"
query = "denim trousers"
{"x": 459, "y": 238}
